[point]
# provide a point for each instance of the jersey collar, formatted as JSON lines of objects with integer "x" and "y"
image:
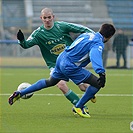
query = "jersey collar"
{"x": 100, "y": 36}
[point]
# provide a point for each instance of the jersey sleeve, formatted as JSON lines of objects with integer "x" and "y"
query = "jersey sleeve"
{"x": 31, "y": 41}
{"x": 96, "y": 59}
{"x": 76, "y": 28}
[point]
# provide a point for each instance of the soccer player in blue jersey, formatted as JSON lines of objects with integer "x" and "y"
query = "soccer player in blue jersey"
{"x": 71, "y": 64}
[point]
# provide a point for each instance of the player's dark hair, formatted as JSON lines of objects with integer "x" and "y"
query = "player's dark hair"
{"x": 107, "y": 30}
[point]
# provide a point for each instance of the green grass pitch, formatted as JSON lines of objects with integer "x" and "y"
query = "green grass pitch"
{"x": 44, "y": 113}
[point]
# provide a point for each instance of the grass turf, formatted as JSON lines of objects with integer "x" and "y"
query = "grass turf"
{"x": 52, "y": 114}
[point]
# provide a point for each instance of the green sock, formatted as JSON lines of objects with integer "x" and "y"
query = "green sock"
{"x": 72, "y": 97}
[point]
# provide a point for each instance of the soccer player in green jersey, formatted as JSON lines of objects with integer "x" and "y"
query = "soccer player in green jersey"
{"x": 52, "y": 38}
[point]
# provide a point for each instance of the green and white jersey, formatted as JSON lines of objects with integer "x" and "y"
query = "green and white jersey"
{"x": 53, "y": 41}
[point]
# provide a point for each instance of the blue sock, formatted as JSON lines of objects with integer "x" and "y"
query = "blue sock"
{"x": 90, "y": 92}
{"x": 40, "y": 84}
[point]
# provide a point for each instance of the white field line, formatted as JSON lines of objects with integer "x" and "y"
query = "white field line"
{"x": 105, "y": 95}
{"x": 36, "y": 74}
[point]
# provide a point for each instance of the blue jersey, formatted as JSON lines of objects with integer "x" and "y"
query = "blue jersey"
{"x": 71, "y": 62}
{"x": 85, "y": 49}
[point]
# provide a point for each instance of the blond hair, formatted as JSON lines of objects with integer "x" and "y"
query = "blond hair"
{"x": 46, "y": 10}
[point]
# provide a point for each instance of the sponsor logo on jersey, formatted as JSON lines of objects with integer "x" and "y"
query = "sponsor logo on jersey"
{"x": 58, "y": 49}
{"x": 55, "y": 40}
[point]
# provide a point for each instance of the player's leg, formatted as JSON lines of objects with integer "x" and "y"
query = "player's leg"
{"x": 40, "y": 84}
{"x": 90, "y": 91}
{"x": 83, "y": 87}
{"x": 118, "y": 54}
{"x": 124, "y": 58}
{"x": 68, "y": 93}
{"x": 79, "y": 107}
{"x": 78, "y": 75}
{"x": 81, "y": 75}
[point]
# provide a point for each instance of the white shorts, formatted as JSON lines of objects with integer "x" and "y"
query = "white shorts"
{"x": 51, "y": 70}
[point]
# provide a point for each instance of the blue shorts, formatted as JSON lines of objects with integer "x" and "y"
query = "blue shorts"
{"x": 65, "y": 70}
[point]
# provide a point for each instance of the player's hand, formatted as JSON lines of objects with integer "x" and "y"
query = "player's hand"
{"x": 20, "y": 35}
{"x": 102, "y": 79}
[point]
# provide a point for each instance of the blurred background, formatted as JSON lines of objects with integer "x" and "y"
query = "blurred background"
{"x": 25, "y": 15}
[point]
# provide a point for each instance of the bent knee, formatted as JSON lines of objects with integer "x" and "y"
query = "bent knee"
{"x": 83, "y": 86}
{"x": 62, "y": 86}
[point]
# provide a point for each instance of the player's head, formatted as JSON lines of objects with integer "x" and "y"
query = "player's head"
{"x": 47, "y": 17}
{"x": 107, "y": 31}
